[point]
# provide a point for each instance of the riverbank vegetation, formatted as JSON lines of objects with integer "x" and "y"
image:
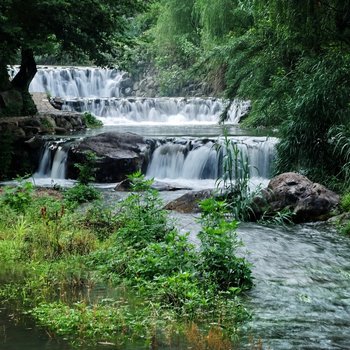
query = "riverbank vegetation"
{"x": 112, "y": 274}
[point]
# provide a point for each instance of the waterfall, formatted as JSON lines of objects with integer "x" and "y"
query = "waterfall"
{"x": 102, "y": 92}
{"x": 72, "y": 82}
{"x": 165, "y": 110}
{"x": 53, "y": 160}
{"x": 195, "y": 159}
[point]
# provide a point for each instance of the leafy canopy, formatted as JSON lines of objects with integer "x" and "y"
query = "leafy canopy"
{"x": 92, "y": 28}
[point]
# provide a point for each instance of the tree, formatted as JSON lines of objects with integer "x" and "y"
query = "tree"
{"x": 89, "y": 28}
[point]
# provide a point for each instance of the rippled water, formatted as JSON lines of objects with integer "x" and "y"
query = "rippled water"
{"x": 301, "y": 298}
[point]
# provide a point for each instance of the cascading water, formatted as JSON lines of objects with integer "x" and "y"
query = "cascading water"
{"x": 101, "y": 92}
{"x": 197, "y": 160}
{"x": 172, "y": 111}
{"x": 73, "y": 82}
{"x": 53, "y": 160}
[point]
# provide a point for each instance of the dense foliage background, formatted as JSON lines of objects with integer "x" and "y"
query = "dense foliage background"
{"x": 290, "y": 58}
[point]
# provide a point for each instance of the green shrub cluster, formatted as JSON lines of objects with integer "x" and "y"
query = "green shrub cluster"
{"x": 82, "y": 191}
{"x": 148, "y": 253}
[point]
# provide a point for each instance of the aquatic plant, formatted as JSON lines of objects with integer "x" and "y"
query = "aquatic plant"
{"x": 233, "y": 183}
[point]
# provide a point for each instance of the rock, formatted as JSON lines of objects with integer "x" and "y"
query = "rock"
{"x": 63, "y": 122}
{"x": 161, "y": 186}
{"x": 60, "y": 131}
{"x": 31, "y": 131}
{"x": 307, "y": 200}
{"x": 123, "y": 186}
{"x": 57, "y": 102}
{"x": 30, "y": 122}
{"x": 126, "y": 83}
{"x": 11, "y": 98}
{"x": 119, "y": 155}
{"x": 188, "y": 203}
{"x": 35, "y": 142}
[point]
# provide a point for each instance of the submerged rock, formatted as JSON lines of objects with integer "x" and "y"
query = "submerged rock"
{"x": 118, "y": 155}
{"x": 307, "y": 201}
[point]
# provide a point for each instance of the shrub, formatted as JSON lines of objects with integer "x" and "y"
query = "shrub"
{"x": 218, "y": 261}
{"x": 142, "y": 218}
{"x": 18, "y": 197}
{"x": 345, "y": 202}
{"x": 81, "y": 193}
{"x": 91, "y": 121}
{"x": 234, "y": 182}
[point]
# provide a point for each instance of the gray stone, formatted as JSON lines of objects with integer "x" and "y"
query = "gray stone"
{"x": 119, "y": 155}
{"x": 62, "y": 122}
{"x": 307, "y": 200}
{"x": 189, "y": 202}
{"x": 35, "y": 142}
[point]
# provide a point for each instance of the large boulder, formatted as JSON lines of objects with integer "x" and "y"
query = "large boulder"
{"x": 307, "y": 201}
{"x": 118, "y": 155}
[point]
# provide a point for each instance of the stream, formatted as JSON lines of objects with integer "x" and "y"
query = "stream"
{"x": 301, "y": 293}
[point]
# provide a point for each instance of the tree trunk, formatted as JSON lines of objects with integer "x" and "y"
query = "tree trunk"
{"x": 4, "y": 77}
{"x": 26, "y": 72}
{"x": 23, "y": 79}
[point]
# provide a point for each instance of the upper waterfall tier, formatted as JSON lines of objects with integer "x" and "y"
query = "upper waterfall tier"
{"x": 104, "y": 92}
{"x": 170, "y": 110}
{"x": 70, "y": 82}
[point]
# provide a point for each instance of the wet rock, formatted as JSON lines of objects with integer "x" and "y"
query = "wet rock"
{"x": 35, "y": 142}
{"x": 308, "y": 201}
{"x": 161, "y": 186}
{"x": 60, "y": 131}
{"x": 119, "y": 155}
{"x": 30, "y": 131}
{"x": 57, "y": 102}
{"x": 189, "y": 202}
{"x": 64, "y": 123}
{"x": 123, "y": 186}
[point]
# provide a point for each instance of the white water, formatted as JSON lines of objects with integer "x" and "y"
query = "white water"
{"x": 192, "y": 163}
{"x": 72, "y": 82}
{"x": 52, "y": 165}
{"x": 161, "y": 110}
{"x": 188, "y": 160}
{"x": 99, "y": 91}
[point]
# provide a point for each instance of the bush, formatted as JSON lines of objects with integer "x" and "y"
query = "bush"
{"x": 345, "y": 202}
{"x": 91, "y": 121}
{"x": 81, "y": 193}
{"x": 218, "y": 261}
{"x": 19, "y": 197}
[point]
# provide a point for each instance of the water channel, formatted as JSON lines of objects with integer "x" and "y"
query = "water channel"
{"x": 301, "y": 293}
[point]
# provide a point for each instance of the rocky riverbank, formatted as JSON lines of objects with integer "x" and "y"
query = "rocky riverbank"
{"x": 16, "y": 149}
